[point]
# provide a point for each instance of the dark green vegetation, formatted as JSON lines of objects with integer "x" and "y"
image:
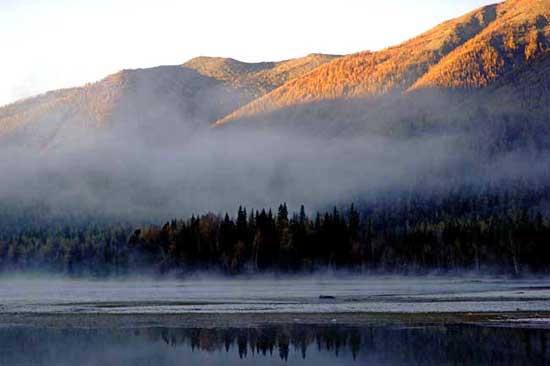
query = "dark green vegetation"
{"x": 492, "y": 230}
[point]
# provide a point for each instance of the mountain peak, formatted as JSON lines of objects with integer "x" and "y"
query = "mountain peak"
{"x": 520, "y": 33}
{"x": 471, "y": 51}
{"x": 368, "y": 73}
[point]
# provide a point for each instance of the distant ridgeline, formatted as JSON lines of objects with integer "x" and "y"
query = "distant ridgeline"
{"x": 506, "y": 231}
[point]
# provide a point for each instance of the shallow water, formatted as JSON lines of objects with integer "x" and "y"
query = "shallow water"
{"x": 273, "y": 295}
{"x": 275, "y": 345}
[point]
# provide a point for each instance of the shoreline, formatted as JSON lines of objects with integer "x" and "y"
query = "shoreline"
{"x": 518, "y": 319}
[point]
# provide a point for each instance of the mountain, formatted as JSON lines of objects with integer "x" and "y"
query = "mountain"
{"x": 126, "y": 100}
{"x": 526, "y": 89}
{"x": 519, "y": 34}
{"x": 182, "y": 98}
{"x": 464, "y": 104}
{"x": 458, "y": 72}
{"x": 257, "y": 78}
{"x": 471, "y": 52}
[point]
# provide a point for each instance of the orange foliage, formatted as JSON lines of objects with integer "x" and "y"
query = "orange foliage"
{"x": 468, "y": 52}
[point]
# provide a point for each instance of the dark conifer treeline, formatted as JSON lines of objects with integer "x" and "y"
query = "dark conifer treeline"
{"x": 506, "y": 232}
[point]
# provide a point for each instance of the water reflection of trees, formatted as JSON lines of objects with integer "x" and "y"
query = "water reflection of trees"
{"x": 261, "y": 340}
{"x": 413, "y": 345}
{"x": 462, "y": 344}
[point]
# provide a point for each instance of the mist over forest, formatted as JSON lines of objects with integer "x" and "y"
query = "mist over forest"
{"x": 126, "y": 174}
{"x": 458, "y": 114}
{"x": 431, "y": 199}
{"x": 431, "y": 189}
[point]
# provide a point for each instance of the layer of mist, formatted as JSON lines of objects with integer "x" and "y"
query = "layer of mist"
{"x": 160, "y": 160}
{"x": 319, "y": 293}
{"x": 217, "y": 172}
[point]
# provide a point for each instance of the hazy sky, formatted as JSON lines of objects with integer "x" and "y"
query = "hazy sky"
{"x": 50, "y": 44}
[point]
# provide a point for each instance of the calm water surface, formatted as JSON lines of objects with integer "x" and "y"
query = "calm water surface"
{"x": 276, "y": 345}
{"x": 47, "y": 338}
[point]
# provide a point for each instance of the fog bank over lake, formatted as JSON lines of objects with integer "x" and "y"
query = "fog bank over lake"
{"x": 272, "y": 294}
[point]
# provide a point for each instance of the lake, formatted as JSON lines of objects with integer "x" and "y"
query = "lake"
{"x": 306, "y": 294}
{"x": 321, "y": 320}
{"x": 275, "y": 345}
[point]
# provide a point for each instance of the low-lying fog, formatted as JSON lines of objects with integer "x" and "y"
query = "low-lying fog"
{"x": 329, "y": 293}
{"x": 254, "y": 169}
{"x": 159, "y": 158}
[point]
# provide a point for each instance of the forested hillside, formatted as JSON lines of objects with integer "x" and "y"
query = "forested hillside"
{"x": 466, "y": 55}
{"x": 141, "y": 103}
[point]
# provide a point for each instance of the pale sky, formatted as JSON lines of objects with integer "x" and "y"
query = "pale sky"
{"x": 51, "y": 44}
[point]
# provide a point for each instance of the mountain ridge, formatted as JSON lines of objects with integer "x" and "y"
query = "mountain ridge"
{"x": 373, "y": 73}
{"x": 259, "y": 77}
{"x": 496, "y": 51}
{"x": 468, "y": 52}
{"x": 184, "y": 94}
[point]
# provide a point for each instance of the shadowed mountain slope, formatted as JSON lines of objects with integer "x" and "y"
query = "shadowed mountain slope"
{"x": 130, "y": 99}
{"x": 166, "y": 98}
